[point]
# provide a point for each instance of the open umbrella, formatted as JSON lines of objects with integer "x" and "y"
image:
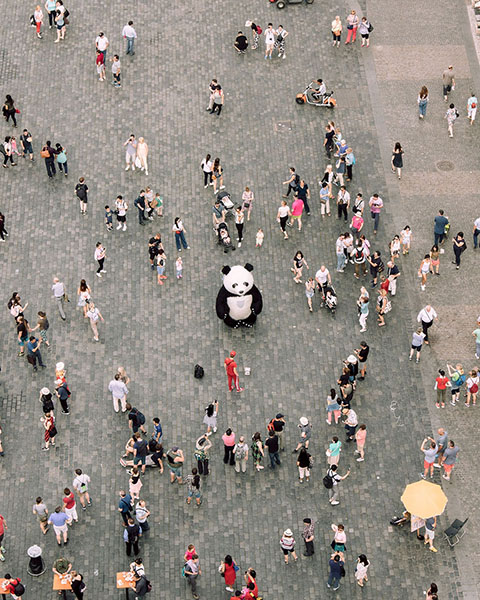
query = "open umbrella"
{"x": 424, "y": 499}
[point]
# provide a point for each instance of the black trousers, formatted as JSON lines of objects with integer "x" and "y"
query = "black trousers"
{"x": 133, "y": 544}
{"x": 309, "y": 548}
{"x": 425, "y": 327}
{"x": 202, "y": 466}
{"x": 305, "y": 204}
{"x": 458, "y": 254}
{"x": 215, "y": 107}
{"x": 64, "y": 404}
{"x": 239, "y": 227}
{"x": 11, "y": 114}
{"x": 229, "y": 456}
{"x": 51, "y": 18}
{"x": 207, "y": 178}
{"x": 350, "y": 172}
{"x": 6, "y": 158}
{"x": 342, "y": 209}
{"x": 3, "y": 231}
{"x": 100, "y": 264}
{"x": 125, "y": 516}
{"x": 50, "y": 165}
{"x": 141, "y": 215}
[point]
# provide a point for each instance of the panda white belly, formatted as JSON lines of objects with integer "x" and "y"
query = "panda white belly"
{"x": 240, "y": 306}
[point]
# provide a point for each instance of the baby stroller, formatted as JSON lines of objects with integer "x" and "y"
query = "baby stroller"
{"x": 224, "y": 198}
{"x": 330, "y": 299}
{"x": 224, "y": 238}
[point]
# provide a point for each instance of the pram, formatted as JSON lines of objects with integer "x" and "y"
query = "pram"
{"x": 330, "y": 299}
{"x": 224, "y": 238}
{"x": 224, "y": 198}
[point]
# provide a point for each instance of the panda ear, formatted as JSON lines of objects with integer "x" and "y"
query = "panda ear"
{"x": 226, "y": 269}
{"x": 249, "y": 267}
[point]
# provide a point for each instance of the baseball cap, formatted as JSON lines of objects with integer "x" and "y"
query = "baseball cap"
{"x": 279, "y": 416}
{"x": 233, "y": 353}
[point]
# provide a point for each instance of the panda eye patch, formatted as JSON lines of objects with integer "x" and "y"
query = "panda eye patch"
{"x": 245, "y": 283}
{"x": 234, "y": 285}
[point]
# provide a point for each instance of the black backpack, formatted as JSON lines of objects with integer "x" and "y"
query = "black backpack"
{"x": 140, "y": 417}
{"x": 328, "y": 482}
{"x": 198, "y": 372}
{"x": 19, "y": 589}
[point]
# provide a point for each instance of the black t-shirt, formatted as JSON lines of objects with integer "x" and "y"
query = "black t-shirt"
{"x": 133, "y": 416}
{"x": 141, "y": 447}
{"x": 278, "y": 424}
{"x": 302, "y": 192}
{"x": 376, "y": 262}
{"x": 304, "y": 460}
{"x": 329, "y": 136}
{"x": 133, "y": 532}
{"x": 81, "y": 189}
{"x": 154, "y": 245}
{"x": 344, "y": 378}
{"x": 393, "y": 270}
{"x": 21, "y": 328}
{"x": 272, "y": 444}
{"x": 363, "y": 354}
{"x": 241, "y": 42}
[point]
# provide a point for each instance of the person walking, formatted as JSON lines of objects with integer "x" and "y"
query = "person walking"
{"x": 257, "y": 451}
{"x": 439, "y": 229}
{"x": 217, "y": 176}
{"x": 3, "y": 231}
{"x": 80, "y": 485}
{"x": 192, "y": 571}
{"x": 333, "y": 406}
{"x": 305, "y": 434}
{"x": 361, "y": 569}
{"x": 293, "y": 182}
{"x": 376, "y": 205}
{"x": 333, "y": 451}
{"x": 125, "y": 506}
{"x": 41, "y": 511}
{"x": 273, "y": 449}
{"x": 206, "y": 166}
{"x": 422, "y": 101}
{"x": 129, "y": 34}
{"x": 429, "y": 456}
{"x": 240, "y": 454}
{"x": 287, "y": 544}
{"x": 59, "y": 521}
{"x": 227, "y": 571}
{"x": 175, "y": 460}
{"x": 459, "y": 247}
{"x": 351, "y": 422}
{"x": 310, "y": 292}
{"x": 451, "y": 116}
{"x": 135, "y": 483}
{"x": 430, "y": 526}
{"x": 299, "y": 262}
{"x": 472, "y": 104}
{"x": 42, "y": 326}
{"x": 179, "y": 231}
{"x": 448, "y": 80}
{"x": 142, "y": 154}
{"x": 435, "y": 260}
{"x": 352, "y": 25}
{"x": 283, "y": 215}
{"x": 476, "y": 233}
{"x": 63, "y": 394}
{"x": 303, "y": 464}
{"x": 9, "y": 110}
{"x": 119, "y": 393}
{"x": 131, "y": 536}
{"x": 50, "y": 430}
{"x": 427, "y": 316}
{"x": 424, "y": 269}
{"x": 59, "y": 293}
{"x": 336, "y": 571}
{"x": 360, "y": 437}
{"x": 308, "y": 535}
{"x": 397, "y": 159}
{"x": 232, "y": 373}
{"x": 3, "y": 529}
{"x": 69, "y": 506}
{"x": 81, "y": 190}
{"x": 418, "y": 338}
{"x": 100, "y": 254}
{"x": 228, "y": 439}
{"x": 449, "y": 459}
{"x": 33, "y": 352}
{"x": 218, "y": 100}
{"x": 94, "y": 315}
{"x": 62, "y": 159}
{"x": 431, "y": 593}
{"x": 336, "y": 31}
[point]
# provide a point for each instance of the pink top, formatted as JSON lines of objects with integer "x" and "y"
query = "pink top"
{"x": 361, "y": 435}
{"x": 297, "y": 207}
{"x": 229, "y": 440}
{"x": 357, "y": 222}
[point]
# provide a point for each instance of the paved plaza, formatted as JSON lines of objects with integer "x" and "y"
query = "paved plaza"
{"x": 160, "y": 332}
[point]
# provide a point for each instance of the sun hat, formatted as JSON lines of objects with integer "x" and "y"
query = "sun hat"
{"x": 288, "y": 533}
{"x": 303, "y": 421}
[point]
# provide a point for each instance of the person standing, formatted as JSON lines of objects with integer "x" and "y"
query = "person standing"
{"x": 59, "y": 521}
{"x": 397, "y": 159}
{"x": 273, "y": 449}
{"x": 206, "y": 166}
{"x": 50, "y": 431}
{"x": 49, "y": 153}
{"x": 360, "y": 437}
{"x": 429, "y": 456}
{"x": 100, "y": 63}
{"x": 33, "y": 352}
{"x": 40, "y": 509}
{"x": 303, "y": 464}
{"x": 69, "y": 506}
{"x": 337, "y": 31}
{"x": 80, "y": 485}
{"x": 116, "y": 74}
{"x": 62, "y": 159}
{"x": 305, "y": 434}
{"x": 60, "y": 21}
{"x": 193, "y": 487}
{"x": 78, "y": 586}
{"x": 175, "y": 460}
{"x": 351, "y": 422}
{"x": 476, "y": 233}
{"x": 240, "y": 453}
{"x": 179, "y": 231}
{"x": 218, "y": 100}
{"x": 26, "y": 143}
{"x": 343, "y": 203}
{"x": 141, "y": 514}
{"x": 308, "y": 535}
{"x": 363, "y": 307}
{"x": 440, "y": 224}
{"x": 130, "y": 152}
{"x": 192, "y": 571}
{"x": 125, "y": 506}
{"x": 142, "y": 154}
{"x": 59, "y": 294}
{"x": 3, "y": 529}
{"x": 100, "y": 254}
{"x": 448, "y": 79}
{"x": 63, "y": 394}
{"x": 50, "y": 6}
{"x": 119, "y": 393}
{"x": 280, "y": 41}
{"x": 459, "y": 247}
{"x": 228, "y": 439}
{"x": 287, "y": 544}
{"x": 451, "y": 116}
{"x": 457, "y": 378}
{"x": 269, "y": 40}
{"x": 303, "y": 192}
{"x": 449, "y": 459}
{"x": 101, "y": 44}
{"x": 418, "y": 337}
{"x": 283, "y": 214}
{"x": 38, "y": 18}
{"x": 361, "y": 569}
{"x": 132, "y": 534}
{"x": 422, "y": 102}
{"x": 9, "y": 109}
{"x": 212, "y": 87}
{"x": 376, "y": 205}
{"x": 201, "y": 454}
{"x": 129, "y": 34}
{"x": 441, "y": 384}
{"x": 94, "y": 315}
{"x": 426, "y": 317}
{"x": 472, "y": 103}
{"x": 239, "y": 223}
{"x": 232, "y": 374}
{"x": 81, "y": 190}
{"x": 139, "y": 204}
{"x": 336, "y": 569}
{"x": 352, "y": 24}
{"x": 257, "y": 451}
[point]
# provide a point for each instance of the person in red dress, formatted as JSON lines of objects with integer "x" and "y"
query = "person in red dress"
{"x": 227, "y": 568}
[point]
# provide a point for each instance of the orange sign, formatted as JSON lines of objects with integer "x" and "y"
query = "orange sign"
{"x": 62, "y": 582}
{"x": 3, "y": 586}
{"x": 125, "y": 580}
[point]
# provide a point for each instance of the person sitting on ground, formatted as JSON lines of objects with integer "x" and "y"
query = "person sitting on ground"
{"x": 241, "y": 43}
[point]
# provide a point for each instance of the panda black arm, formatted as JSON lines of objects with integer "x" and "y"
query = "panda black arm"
{"x": 257, "y": 301}
{"x": 221, "y": 304}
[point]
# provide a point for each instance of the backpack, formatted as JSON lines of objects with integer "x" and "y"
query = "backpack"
{"x": 473, "y": 389}
{"x": 46, "y": 325}
{"x": 328, "y": 482}
{"x": 297, "y": 179}
{"x": 19, "y": 588}
{"x": 140, "y": 417}
{"x": 198, "y": 372}
{"x": 370, "y": 28}
{"x": 259, "y": 30}
{"x": 270, "y": 427}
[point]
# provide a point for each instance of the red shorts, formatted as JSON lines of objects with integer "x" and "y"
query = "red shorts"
{"x": 427, "y": 465}
{"x": 448, "y": 468}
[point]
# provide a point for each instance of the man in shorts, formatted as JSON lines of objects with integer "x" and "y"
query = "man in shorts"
{"x": 429, "y": 456}
{"x": 449, "y": 459}
{"x": 362, "y": 355}
{"x": 80, "y": 485}
{"x": 269, "y": 40}
{"x": 59, "y": 521}
{"x": 175, "y": 459}
{"x": 140, "y": 451}
{"x": 430, "y": 525}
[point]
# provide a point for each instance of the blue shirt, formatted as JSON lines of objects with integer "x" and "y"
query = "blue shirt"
{"x": 32, "y": 346}
{"x": 440, "y": 222}
{"x": 125, "y": 503}
{"x": 364, "y": 308}
{"x": 58, "y": 519}
{"x": 336, "y": 567}
{"x": 157, "y": 432}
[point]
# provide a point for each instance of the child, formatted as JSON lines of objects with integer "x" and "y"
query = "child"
{"x": 406, "y": 234}
{"x": 161, "y": 263}
{"x": 13, "y": 143}
{"x": 395, "y": 247}
{"x": 158, "y": 203}
{"x": 179, "y": 267}
{"x": 108, "y": 218}
{"x": 259, "y": 238}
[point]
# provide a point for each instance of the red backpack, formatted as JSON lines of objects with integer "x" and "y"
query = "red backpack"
{"x": 259, "y": 30}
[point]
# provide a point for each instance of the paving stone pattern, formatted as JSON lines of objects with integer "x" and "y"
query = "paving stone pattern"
{"x": 159, "y": 333}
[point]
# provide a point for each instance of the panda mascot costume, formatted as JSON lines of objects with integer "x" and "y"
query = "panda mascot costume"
{"x": 239, "y": 301}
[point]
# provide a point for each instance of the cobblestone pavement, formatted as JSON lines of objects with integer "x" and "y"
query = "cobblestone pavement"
{"x": 160, "y": 333}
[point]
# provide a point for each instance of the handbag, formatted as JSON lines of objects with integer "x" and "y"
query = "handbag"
{"x": 44, "y": 153}
{"x": 138, "y": 164}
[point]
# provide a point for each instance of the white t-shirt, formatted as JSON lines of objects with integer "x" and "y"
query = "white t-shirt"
{"x": 339, "y": 246}
{"x": 99, "y": 252}
{"x": 283, "y": 211}
{"x": 121, "y": 206}
{"x": 207, "y": 166}
{"x": 269, "y": 36}
{"x": 80, "y": 483}
{"x": 477, "y": 223}
{"x": 322, "y": 276}
{"x": 101, "y": 42}
{"x": 92, "y": 314}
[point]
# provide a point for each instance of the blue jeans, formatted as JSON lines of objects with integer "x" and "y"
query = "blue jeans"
{"x": 333, "y": 580}
{"x": 180, "y": 237}
{"x": 130, "y": 43}
{"x": 340, "y": 261}
{"x": 438, "y": 238}
{"x": 274, "y": 458}
{"x": 422, "y": 107}
{"x": 476, "y": 233}
{"x": 477, "y": 347}
{"x": 376, "y": 217}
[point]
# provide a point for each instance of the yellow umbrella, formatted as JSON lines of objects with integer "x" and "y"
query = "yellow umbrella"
{"x": 424, "y": 499}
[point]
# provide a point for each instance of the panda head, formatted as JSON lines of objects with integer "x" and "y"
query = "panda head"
{"x": 238, "y": 280}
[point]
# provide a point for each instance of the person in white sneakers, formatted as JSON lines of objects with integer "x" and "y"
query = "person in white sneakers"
{"x": 119, "y": 393}
{"x": 121, "y": 207}
{"x": 100, "y": 254}
{"x": 80, "y": 485}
